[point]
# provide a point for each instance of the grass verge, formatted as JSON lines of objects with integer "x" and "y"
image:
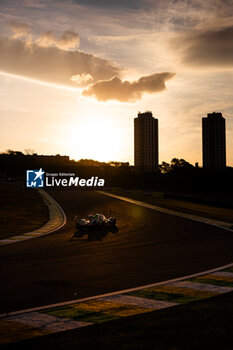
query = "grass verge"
{"x": 21, "y": 209}
{"x": 205, "y": 324}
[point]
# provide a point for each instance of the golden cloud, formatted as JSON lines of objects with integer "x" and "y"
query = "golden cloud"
{"x": 51, "y": 64}
{"x": 19, "y": 29}
{"x": 69, "y": 40}
{"x": 126, "y": 91}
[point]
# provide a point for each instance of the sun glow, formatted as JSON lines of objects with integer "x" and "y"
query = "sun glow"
{"x": 96, "y": 139}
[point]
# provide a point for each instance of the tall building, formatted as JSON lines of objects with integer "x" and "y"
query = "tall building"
{"x": 145, "y": 143}
{"x": 214, "y": 142}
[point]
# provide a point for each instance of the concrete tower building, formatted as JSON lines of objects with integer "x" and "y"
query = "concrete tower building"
{"x": 145, "y": 143}
{"x": 214, "y": 142}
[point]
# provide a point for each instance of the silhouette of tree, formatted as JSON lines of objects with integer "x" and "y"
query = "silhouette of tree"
{"x": 29, "y": 151}
{"x": 175, "y": 165}
{"x": 164, "y": 168}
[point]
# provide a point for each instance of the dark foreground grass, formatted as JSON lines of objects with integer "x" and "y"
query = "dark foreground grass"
{"x": 21, "y": 209}
{"x": 199, "y": 325}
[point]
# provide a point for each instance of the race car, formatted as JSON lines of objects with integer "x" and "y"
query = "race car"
{"x": 95, "y": 222}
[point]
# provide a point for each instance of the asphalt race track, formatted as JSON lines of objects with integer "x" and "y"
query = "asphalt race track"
{"x": 149, "y": 247}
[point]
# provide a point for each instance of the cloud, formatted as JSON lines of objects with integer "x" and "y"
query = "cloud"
{"x": 206, "y": 48}
{"x": 125, "y": 91}
{"x": 82, "y": 79}
{"x": 106, "y": 39}
{"x": 51, "y": 64}
{"x": 69, "y": 40}
{"x": 129, "y": 4}
{"x": 38, "y": 4}
{"x": 55, "y": 59}
{"x": 19, "y": 29}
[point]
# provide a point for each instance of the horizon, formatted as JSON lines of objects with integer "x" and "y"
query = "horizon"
{"x": 110, "y": 162}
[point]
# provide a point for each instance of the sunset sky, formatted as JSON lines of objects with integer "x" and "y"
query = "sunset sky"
{"x": 74, "y": 74}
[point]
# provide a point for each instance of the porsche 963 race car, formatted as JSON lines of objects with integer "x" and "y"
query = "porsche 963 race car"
{"x": 95, "y": 222}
